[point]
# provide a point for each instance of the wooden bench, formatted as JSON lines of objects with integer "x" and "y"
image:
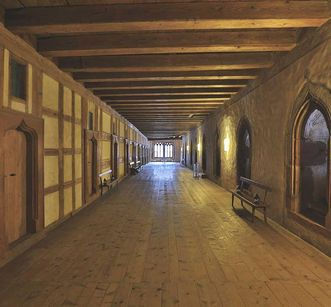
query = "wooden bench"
{"x": 105, "y": 180}
{"x": 247, "y": 192}
{"x": 139, "y": 166}
{"x": 135, "y": 167}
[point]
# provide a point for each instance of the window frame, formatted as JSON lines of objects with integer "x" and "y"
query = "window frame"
{"x": 299, "y": 124}
{"x": 26, "y": 64}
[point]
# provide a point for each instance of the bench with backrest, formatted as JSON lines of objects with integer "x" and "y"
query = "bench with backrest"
{"x": 253, "y": 194}
{"x": 135, "y": 167}
{"x": 105, "y": 180}
{"x": 139, "y": 166}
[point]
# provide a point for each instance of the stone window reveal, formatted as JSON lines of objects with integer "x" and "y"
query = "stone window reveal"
{"x": 311, "y": 163}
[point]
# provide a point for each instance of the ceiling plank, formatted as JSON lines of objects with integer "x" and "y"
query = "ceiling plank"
{"x": 169, "y": 16}
{"x": 167, "y": 62}
{"x": 165, "y": 42}
{"x": 247, "y": 74}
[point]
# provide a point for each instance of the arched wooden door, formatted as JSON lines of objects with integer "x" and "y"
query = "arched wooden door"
{"x": 15, "y": 185}
{"x": 244, "y": 151}
{"x": 126, "y": 158}
{"x": 92, "y": 171}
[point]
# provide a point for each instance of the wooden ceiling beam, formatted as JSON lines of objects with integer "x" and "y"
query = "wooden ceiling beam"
{"x": 204, "y": 94}
{"x": 164, "y": 98}
{"x": 246, "y": 74}
{"x": 175, "y": 107}
{"x": 168, "y": 16}
{"x": 144, "y": 85}
{"x": 184, "y": 100}
{"x": 167, "y": 62}
{"x": 155, "y": 104}
{"x": 167, "y": 42}
{"x": 162, "y": 91}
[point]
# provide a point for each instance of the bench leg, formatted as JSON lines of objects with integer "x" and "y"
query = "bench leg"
{"x": 233, "y": 201}
{"x": 265, "y": 214}
{"x": 253, "y": 214}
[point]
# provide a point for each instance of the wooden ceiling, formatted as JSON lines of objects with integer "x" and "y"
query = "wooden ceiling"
{"x": 164, "y": 64}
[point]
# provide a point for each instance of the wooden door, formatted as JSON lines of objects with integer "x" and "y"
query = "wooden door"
{"x": 126, "y": 158}
{"x": 91, "y": 166}
{"x": 15, "y": 169}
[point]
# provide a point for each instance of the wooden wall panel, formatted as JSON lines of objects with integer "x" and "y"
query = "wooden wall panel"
{"x": 51, "y": 208}
{"x": 50, "y": 92}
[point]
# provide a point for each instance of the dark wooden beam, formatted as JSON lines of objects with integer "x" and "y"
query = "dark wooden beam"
{"x": 153, "y": 107}
{"x": 169, "y": 16}
{"x": 166, "y": 75}
{"x": 167, "y": 62}
{"x": 160, "y": 98}
{"x": 164, "y": 91}
{"x": 153, "y": 103}
{"x": 143, "y": 85}
{"x": 167, "y": 42}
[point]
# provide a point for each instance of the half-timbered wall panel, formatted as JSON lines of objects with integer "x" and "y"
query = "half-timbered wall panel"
{"x": 64, "y": 106}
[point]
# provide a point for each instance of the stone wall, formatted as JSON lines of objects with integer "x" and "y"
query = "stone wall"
{"x": 270, "y": 104}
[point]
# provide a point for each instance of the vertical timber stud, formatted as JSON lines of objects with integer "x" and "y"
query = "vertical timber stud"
{"x": 73, "y": 150}
{"x": 36, "y": 92}
{"x": 2, "y": 74}
{"x": 61, "y": 158}
{"x": 84, "y": 108}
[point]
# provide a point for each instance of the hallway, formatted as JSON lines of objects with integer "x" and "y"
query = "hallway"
{"x": 162, "y": 238}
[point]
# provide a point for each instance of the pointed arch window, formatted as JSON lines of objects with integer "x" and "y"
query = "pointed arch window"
{"x": 217, "y": 154}
{"x": 311, "y": 162}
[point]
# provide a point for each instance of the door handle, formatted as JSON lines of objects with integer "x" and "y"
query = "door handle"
{"x": 11, "y": 175}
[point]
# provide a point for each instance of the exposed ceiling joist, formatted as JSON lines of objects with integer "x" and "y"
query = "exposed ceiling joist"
{"x": 167, "y": 62}
{"x": 164, "y": 42}
{"x": 168, "y": 16}
{"x": 181, "y": 84}
{"x": 247, "y": 74}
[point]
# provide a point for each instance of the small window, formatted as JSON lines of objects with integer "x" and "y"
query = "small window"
{"x": 90, "y": 120}
{"x": 17, "y": 80}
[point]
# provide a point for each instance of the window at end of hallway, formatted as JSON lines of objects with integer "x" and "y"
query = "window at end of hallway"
{"x": 18, "y": 79}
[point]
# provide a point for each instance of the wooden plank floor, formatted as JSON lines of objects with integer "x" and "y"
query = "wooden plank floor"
{"x": 165, "y": 239}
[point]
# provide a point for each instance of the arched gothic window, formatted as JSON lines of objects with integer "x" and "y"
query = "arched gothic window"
{"x": 217, "y": 154}
{"x": 311, "y": 162}
{"x": 244, "y": 150}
